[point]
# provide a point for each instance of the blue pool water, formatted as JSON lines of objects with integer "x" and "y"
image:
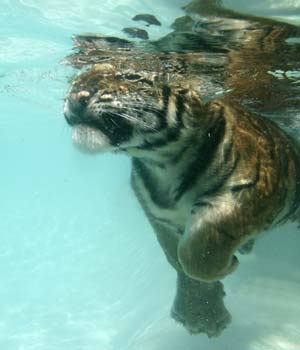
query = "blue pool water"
{"x": 80, "y": 268}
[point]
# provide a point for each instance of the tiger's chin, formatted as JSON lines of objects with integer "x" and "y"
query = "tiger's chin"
{"x": 90, "y": 140}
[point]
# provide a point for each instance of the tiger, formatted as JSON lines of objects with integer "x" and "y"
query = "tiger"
{"x": 209, "y": 168}
{"x": 209, "y": 175}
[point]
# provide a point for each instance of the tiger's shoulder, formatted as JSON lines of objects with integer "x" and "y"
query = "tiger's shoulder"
{"x": 267, "y": 161}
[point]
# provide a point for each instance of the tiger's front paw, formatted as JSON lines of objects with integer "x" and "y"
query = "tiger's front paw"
{"x": 202, "y": 319}
{"x": 199, "y": 306}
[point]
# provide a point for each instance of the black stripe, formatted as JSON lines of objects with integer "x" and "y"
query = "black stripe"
{"x": 166, "y": 93}
{"x": 150, "y": 183}
{"x": 251, "y": 183}
{"x": 171, "y": 135}
{"x": 251, "y": 119}
{"x": 159, "y": 114}
{"x": 296, "y": 200}
{"x": 205, "y": 154}
{"x": 162, "y": 114}
{"x": 177, "y": 156}
{"x": 227, "y": 150}
{"x": 222, "y": 177}
{"x": 199, "y": 204}
{"x": 263, "y": 128}
{"x": 179, "y": 110}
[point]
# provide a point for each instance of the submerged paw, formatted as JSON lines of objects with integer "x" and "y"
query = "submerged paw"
{"x": 210, "y": 323}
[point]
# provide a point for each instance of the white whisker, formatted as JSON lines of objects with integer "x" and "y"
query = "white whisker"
{"x": 143, "y": 105}
{"x": 134, "y": 119}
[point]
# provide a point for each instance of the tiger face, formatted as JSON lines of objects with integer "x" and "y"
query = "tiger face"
{"x": 128, "y": 110}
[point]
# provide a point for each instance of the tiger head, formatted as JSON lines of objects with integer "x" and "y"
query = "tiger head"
{"x": 129, "y": 110}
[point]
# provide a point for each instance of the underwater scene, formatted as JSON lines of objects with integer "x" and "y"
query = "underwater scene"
{"x": 150, "y": 171}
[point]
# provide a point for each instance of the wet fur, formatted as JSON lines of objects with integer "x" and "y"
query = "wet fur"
{"x": 209, "y": 176}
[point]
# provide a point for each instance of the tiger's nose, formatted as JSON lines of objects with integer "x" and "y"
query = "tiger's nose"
{"x": 79, "y": 99}
{"x": 74, "y": 105}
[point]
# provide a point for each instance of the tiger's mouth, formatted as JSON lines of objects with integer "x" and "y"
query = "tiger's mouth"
{"x": 98, "y": 128}
{"x": 89, "y": 139}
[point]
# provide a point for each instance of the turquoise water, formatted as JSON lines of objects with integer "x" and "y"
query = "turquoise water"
{"x": 80, "y": 267}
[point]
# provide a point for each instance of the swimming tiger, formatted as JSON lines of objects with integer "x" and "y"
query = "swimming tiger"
{"x": 209, "y": 176}
{"x": 210, "y": 172}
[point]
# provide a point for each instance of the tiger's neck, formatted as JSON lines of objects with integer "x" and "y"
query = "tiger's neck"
{"x": 169, "y": 173}
{"x": 158, "y": 171}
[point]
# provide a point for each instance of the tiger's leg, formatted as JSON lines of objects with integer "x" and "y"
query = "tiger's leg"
{"x": 215, "y": 231}
{"x": 199, "y": 306}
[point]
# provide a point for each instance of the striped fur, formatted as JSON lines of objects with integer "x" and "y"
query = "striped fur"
{"x": 210, "y": 177}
